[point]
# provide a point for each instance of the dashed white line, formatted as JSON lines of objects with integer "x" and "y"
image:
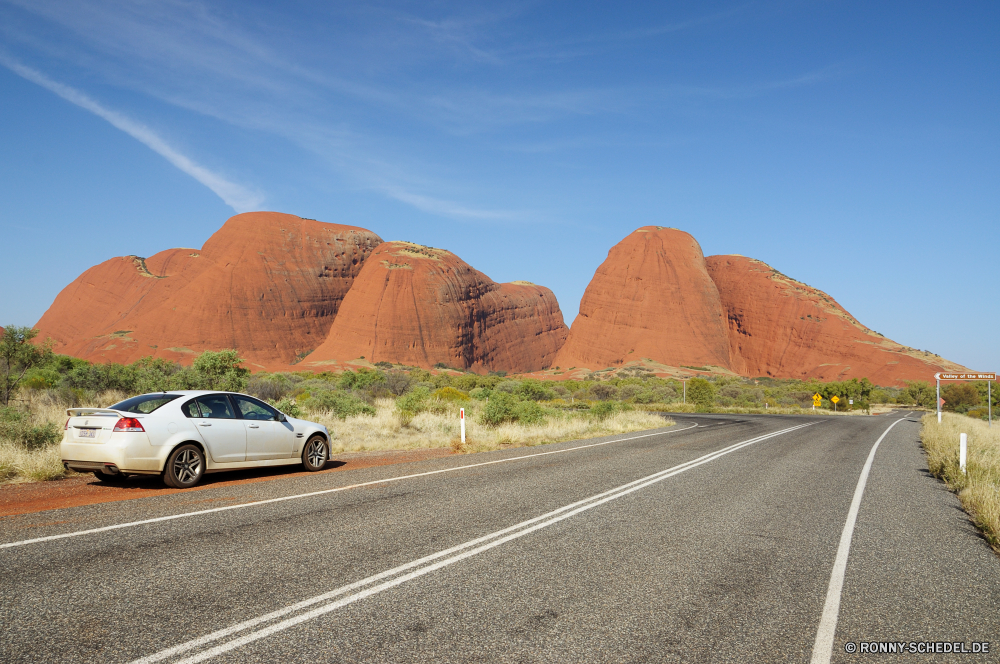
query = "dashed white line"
{"x": 185, "y": 515}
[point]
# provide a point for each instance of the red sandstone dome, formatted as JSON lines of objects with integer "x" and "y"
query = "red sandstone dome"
{"x": 421, "y": 306}
{"x": 783, "y": 328}
{"x": 266, "y": 283}
{"x": 651, "y": 299}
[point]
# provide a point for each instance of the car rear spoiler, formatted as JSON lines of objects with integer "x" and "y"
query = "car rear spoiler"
{"x": 84, "y": 412}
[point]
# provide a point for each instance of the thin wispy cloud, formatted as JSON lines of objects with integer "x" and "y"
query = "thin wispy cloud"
{"x": 234, "y": 195}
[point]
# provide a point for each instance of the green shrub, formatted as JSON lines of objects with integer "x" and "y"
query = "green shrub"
{"x": 529, "y": 412}
{"x": 361, "y": 380}
{"x": 413, "y": 403}
{"x": 701, "y": 392}
{"x": 288, "y": 406}
{"x": 500, "y": 409}
{"x": 340, "y": 404}
{"x": 603, "y": 409}
{"x": 222, "y": 370}
{"x": 17, "y": 428}
{"x": 450, "y": 395}
{"x": 480, "y": 393}
{"x": 534, "y": 390}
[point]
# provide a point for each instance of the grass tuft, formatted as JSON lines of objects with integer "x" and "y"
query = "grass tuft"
{"x": 979, "y": 488}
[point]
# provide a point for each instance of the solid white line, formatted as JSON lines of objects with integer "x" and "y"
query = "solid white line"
{"x": 504, "y": 535}
{"x": 823, "y": 648}
{"x": 185, "y": 515}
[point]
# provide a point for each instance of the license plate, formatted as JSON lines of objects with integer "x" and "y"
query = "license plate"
{"x": 87, "y": 433}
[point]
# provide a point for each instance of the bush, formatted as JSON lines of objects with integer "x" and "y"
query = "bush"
{"x": 534, "y": 390}
{"x": 288, "y": 406}
{"x": 701, "y": 392}
{"x": 222, "y": 371}
{"x": 604, "y": 409}
{"x": 529, "y": 412}
{"x": 270, "y": 387}
{"x": 17, "y": 428}
{"x": 500, "y": 409}
{"x": 450, "y": 395}
{"x": 480, "y": 393}
{"x": 507, "y": 386}
{"x": 603, "y": 391}
{"x": 340, "y": 404}
{"x": 363, "y": 379}
{"x": 412, "y": 404}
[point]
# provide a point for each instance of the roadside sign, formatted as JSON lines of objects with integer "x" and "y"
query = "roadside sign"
{"x": 940, "y": 402}
{"x": 835, "y": 399}
{"x": 966, "y": 376}
{"x": 850, "y": 401}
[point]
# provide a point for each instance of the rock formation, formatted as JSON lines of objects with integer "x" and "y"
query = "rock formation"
{"x": 783, "y": 328}
{"x": 651, "y": 299}
{"x": 421, "y": 306}
{"x": 267, "y": 284}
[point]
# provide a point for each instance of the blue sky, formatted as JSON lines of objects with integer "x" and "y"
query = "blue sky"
{"x": 853, "y": 146}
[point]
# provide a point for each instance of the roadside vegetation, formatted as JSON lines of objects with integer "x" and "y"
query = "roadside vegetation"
{"x": 399, "y": 407}
{"x": 979, "y": 488}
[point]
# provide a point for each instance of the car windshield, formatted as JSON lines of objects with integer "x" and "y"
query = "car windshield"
{"x": 145, "y": 403}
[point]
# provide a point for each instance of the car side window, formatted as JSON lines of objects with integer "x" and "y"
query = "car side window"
{"x": 216, "y": 406}
{"x": 254, "y": 410}
{"x": 190, "y": 409}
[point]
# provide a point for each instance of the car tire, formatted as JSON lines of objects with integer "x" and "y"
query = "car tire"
{"x": 185, "y": 467}
{"x": 117, "y": 478}
{"x": 315, "y": 454}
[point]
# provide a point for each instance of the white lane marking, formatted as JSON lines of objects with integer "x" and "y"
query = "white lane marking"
{"x": 255, "y": 503}
{"x": 823, "y": 648}
{"x": 462, "y": 551}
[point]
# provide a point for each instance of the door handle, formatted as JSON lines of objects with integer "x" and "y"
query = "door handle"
{"x": 205, "y": 424}
{"x": 254, "y": 426}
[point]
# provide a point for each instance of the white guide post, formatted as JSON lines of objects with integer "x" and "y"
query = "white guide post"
{"x": 963, "y": 451}
{"x": 937, "y": 377}
{"x": 461, "y": 417}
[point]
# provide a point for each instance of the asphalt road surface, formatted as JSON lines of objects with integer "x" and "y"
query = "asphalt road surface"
{"x": 720, "y": 539}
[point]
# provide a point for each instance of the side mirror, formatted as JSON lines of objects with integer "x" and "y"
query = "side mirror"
{"x": 282, "y": 418}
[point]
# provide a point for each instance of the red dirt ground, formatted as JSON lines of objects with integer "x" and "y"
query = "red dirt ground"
{"x": 86, "y": 490}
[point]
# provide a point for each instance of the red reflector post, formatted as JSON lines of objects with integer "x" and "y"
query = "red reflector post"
{"x": 128, "y": 424}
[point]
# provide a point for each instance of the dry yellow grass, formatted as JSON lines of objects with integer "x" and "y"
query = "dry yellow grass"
{"x": 385, "y": 431}
{"x": 18, "y": 464}
{"x": 979, "y": 488}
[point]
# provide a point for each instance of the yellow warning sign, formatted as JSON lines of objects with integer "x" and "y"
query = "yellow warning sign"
{"x": 835, "y": 399}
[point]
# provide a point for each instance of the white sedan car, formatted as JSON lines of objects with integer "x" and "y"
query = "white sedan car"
{"x": 184, "y": 434}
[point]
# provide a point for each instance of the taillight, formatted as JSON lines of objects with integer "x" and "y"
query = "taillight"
{"x": 128, "y": 424}
{"x": 66, "y": 428}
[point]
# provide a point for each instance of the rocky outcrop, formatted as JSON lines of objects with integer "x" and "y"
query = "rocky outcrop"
{"x": 783, "y": 328}
{"x": 421, "y": 306}
{"x": 652, "y": 299}
{"x": 267, "y": 284}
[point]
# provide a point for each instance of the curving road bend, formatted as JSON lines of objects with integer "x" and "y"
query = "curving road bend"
{"x": 714, "y": 540}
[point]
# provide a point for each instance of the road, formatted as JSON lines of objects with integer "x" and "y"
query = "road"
{"x": 715, "y": 540}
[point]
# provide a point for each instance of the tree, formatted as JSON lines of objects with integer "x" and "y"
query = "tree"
{"x": 919, "y": 392}
{"x": 960, "y": 397}
{"x": 17, "y": 355}
{"x": 222, "y": 371}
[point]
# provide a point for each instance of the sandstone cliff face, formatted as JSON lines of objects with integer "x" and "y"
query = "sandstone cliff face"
{"x": 420, "y": 306}
{"x": 652, "y": 298}
{"x": 267, "y": 284}
{"x": 783, "y": 328}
